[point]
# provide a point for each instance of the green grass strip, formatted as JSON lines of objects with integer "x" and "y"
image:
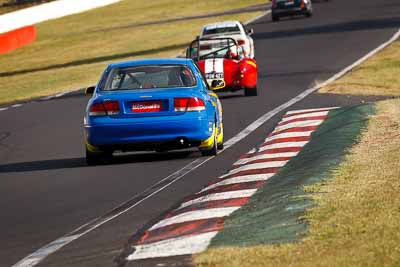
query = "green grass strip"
{"x": 274, "y": 213}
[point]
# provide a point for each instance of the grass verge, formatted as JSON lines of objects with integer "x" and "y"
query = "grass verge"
{"x": 71, "y": 52}
{"x": 356, "y": 213}
{"x": 272, "y": 214}
{"x": 378, "y": 76}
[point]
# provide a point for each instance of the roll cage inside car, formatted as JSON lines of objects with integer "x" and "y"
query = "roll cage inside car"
{"x": 195, "y": 47}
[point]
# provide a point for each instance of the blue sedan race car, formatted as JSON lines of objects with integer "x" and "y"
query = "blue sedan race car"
{"x": 153, "y": 104}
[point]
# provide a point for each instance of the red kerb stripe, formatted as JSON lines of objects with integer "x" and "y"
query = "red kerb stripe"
{"x": 182, "y": 229}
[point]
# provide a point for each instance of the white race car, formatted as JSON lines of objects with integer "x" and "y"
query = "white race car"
{"x": 231, "y": 29}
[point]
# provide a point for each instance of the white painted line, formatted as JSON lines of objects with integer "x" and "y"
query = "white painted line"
{"x": 16, "y": 105}
{"x": 283, "y": 145}
{"x": 240, "y": 179}
{"x": 173, "y": 247}
{"x": 266, "y": 156}
{"x": 256, "y": 166}
{"x": 257, "y": 18}
{"x": 47, "y": 97}
{"x": 197, "y": 163}
{"x": 194, "y": 216}
{"x": 288, "y": 135}
{"x": 298, "y": 124}
{"x": 293, "y": 112}
{"x": 306, "y": 115}
{"x": 219, "y": 196}
{"x": 2, "y": 109}
{"x": 60, "y": 94}
{"x": 35, "y": 258}
{"x": 57, "y": 244}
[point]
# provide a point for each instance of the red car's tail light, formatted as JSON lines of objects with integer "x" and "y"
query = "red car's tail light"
{"x": 241, "y": 42}
{"x": 302, "y": 4}
{"x": 188, "y": 104}
{"x": 104, "y": 108}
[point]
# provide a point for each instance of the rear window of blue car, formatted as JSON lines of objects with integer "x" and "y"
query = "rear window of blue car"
{"x": 149, "y": 77}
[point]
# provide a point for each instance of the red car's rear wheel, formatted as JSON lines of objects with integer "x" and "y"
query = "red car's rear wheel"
{"x": 250, "y": 91}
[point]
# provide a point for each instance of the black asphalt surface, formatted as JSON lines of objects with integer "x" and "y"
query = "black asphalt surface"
{"x": 47, "y": 191}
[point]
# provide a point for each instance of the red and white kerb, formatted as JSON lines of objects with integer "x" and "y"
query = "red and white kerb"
{"x": 190, "y": 228}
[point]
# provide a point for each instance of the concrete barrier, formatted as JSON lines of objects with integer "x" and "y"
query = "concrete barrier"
{"x": 16, "y": 38}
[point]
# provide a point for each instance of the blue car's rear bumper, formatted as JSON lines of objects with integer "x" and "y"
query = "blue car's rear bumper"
{"x": 149, "y": 133}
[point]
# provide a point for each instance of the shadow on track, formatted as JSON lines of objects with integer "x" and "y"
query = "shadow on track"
{"x": 56, "y": 164}
{"x": 96, "y": 59}
{"x": 295, "y": 73}
{"x": 359, "y": 25}
{"x": 258, "y": 7}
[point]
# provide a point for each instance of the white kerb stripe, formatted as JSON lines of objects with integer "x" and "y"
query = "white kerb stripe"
{"x": 194, "y": 216}
{"x": 266, "y": 156}
{"x": 255, "y": 166}
{"x": 283, "y": 145}
{"x": 307, "y": 115}
{"x": 298, "y": 124}
{"x": 173, "y": 247}
{"x": 240, "y": 179}
{"x": 308, "y": 110}
{"x": 219, "y": 196}
{"x": 288, "y": 135}
{"x": 251, "y": 151}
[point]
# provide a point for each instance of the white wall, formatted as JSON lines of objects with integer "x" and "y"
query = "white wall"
{"x": 43, "y": 12}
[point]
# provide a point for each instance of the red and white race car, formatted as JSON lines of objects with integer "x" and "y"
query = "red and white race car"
{"x": 231, "y": 29}
{"x": 224, "y": 65}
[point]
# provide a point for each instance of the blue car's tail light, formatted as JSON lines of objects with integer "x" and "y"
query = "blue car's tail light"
{"x": 184, "y": 104}
{"x": 104, "y": 108}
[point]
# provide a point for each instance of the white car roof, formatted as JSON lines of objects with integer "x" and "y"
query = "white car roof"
{"x": 222, "y": 24}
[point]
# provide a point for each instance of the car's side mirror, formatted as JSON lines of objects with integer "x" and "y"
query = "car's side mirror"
{"x": 89, "y": 91}
{"x": 250, "y": 31}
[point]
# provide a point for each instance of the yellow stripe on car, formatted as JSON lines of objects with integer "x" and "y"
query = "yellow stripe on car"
{"x": 251, "y": 63}
{"x": 209, "y": 141}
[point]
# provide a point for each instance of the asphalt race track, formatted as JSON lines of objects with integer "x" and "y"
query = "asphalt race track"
{"x": 47, "y": 191}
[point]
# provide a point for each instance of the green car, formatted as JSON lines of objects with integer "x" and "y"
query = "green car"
{"x": 281, "y": 8}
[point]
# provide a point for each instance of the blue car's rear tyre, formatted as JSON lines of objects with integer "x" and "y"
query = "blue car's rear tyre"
{"x": 220, "y": 146}
{"x": 213, "y": 150}
{"x": 95, "y": 158}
